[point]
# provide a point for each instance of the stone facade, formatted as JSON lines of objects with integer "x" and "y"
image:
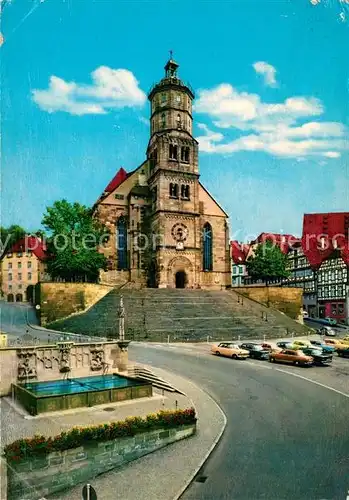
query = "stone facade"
{"x": 40, "y": 477}
{"x": 60, "y": 300}
{"x": 166, "y": 230}
{"x": 54, "y": 361}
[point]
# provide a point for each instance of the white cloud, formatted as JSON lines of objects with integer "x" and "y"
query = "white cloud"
{"x": 110, "y": 89}
{"x": 267, "y": 71}
{"x": 272, "y": 128}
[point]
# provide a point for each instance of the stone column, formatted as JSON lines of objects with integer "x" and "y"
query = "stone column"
{"x": 122, "y": 359}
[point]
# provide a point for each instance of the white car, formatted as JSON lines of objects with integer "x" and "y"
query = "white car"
{"x": 327, "y": 331}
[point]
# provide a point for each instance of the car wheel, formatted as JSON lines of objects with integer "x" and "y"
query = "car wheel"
{"x": 271, "y": 360}
{"x": 295, "y": 363}
{"x": 234, "y": 356}
{"x": 218, "y": 353}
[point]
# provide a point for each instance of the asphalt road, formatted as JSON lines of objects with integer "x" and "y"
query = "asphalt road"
{"x": 286, "y": 438}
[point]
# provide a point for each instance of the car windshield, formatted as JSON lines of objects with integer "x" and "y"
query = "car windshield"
{"x": 315, "y": 352}
{"x": 233, "y": 346}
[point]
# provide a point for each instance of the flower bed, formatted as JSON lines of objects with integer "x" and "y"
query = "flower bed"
{"x": 41, "y": 445}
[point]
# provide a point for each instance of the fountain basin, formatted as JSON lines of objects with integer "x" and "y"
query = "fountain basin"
{"x": 60, "y": 395}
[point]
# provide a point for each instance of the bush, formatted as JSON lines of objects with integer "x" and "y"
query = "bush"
{"x": 79, "y": 436}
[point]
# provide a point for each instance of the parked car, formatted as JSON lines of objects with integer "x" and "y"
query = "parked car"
{"x": 296, "y": 357}
{"x": 322, "y": 345}
{"x": 345, "y": 340}
{"x": 343, "y": 351}
{"x": 336, "y": 343}
{"x": 270, "y": 346}
{"x": 319, "y": 357}
{"x": 326, "y": 330}
{"x": 331, "y": 321}
{"x": 297, "y": 344}
{"x": 230, "y": 350}
{"x": 283, "y": 344}
{"x": 256, "y": 351}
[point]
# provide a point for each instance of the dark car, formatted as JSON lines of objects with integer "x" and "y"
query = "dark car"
{"x": 319, "y": 357}
{"x": 343, "y": 351}
{"x": 283, "y": 344}
{"x": 256, "y": 350}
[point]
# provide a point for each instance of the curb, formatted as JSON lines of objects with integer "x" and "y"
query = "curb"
{"x": 214, "y": 444}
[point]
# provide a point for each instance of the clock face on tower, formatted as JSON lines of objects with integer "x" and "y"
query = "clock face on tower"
{"x": 179, "y": 232}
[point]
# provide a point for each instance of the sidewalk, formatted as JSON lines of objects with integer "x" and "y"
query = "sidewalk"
{"x": 165, "y": 474}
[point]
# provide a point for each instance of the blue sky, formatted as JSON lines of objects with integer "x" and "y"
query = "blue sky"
{"x": 271, "y": 112}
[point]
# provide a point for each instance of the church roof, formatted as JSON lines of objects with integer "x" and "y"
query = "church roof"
{"x": 323, "y": 234}
{"x": 119, "y": 178}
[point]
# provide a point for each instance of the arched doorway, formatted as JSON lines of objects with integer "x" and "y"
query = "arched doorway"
{"x": 19, "y": 297}
{"x": 10, "y": 297}
{"x": 181, "y": 279}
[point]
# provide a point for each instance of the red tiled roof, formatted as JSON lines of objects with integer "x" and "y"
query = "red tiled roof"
{"x": 283, "y": 241}
{"x": 238, "y": 252}
{"x": 119, "y": 178}
{"x": 332, "y": 229}
{"x": 31, "y": 244}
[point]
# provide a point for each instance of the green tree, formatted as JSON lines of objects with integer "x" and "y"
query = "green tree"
{"x": 73, "y": 242}
{"x": 268, "y": 263}
{"x": 9, "y": 236}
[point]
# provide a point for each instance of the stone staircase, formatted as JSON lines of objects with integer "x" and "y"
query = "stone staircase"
{"x": 142, "y": 373}
{"x": 181, "y": 315}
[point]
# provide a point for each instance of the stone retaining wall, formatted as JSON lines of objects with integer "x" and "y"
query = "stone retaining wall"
{"x": 36, "y": 478}
{"x": 60, "y": 300}
{"x": 286, "y": 300}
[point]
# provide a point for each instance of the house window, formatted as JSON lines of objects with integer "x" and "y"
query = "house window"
{"x": 173, "y": 190}
{"x": 19, "y": 276}
{"x": 10, "y": 277}
{"x": 10, "y": 288}
{"x": 207, "y": 247}
{"x": 173, "y": 152}
{"x": 185, "y": 154}
{"x": 9, "y": 255}
{"x": 10, "y": 265}
{"x": 241, "y": 269}
{"x": 19, "y": 287}
{"x": 29, "y": 264}
{"x": 19, "y": 265}
{"x": 119, "y": 196}
{"x": 179, "y": 120}
{"x": 29, "y": 276}
{"x": 185, "y": 191}
{"x": 340, "y": 310}
{"x": 122, "y": 243}
{"x": 19, "y": 254}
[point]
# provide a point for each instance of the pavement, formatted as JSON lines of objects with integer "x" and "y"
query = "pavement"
{"x": 165, "y": 474}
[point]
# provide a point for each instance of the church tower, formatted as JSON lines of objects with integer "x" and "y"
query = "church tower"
{"x": 174, "y": 180}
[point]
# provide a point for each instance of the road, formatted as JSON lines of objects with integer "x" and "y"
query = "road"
{"x": 286, "y": 438}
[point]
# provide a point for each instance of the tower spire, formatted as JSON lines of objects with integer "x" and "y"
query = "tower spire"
{"x": 171, "y": 67}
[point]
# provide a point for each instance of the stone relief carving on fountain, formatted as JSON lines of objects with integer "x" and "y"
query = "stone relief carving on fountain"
{"x": 64, "y": 356}
{"x": 26, "y": 364}
{"x": 97, "y": 358}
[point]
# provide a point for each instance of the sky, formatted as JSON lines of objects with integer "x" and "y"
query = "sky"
{"x": 271, "y": 112}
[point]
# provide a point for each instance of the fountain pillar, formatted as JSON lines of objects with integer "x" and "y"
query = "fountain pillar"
{"x": 122, "y": 361}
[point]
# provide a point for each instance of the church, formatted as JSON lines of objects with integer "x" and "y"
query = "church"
{"x": 166, "y": 230}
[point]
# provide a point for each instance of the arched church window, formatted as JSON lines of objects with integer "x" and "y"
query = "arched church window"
{"x": 122, "y": 243}
{"x": 185, "y": 151}
{"x": 173, "y": 152}
{"x": 163, "y": 120}
{"x": 207, "y": 247}
{"x": 185, "y": 191}
{"x": 173, "y": 190}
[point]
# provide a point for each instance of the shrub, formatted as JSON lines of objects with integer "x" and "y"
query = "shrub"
{"x": 79, "y": 436}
